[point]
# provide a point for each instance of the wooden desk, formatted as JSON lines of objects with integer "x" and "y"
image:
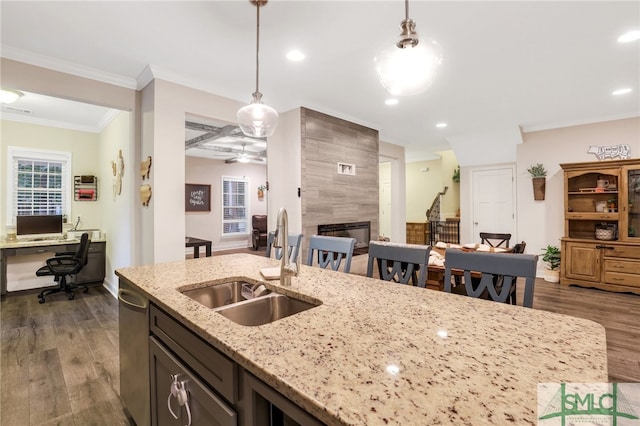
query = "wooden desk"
{"x": 196, "y": 243}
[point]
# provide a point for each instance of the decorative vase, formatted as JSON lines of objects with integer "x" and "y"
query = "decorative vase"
{"x": 539, "y": 184}
{"x": 552, "y": 276}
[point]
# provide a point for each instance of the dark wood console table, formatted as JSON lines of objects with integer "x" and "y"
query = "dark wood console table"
{"x": 196, "y": 243}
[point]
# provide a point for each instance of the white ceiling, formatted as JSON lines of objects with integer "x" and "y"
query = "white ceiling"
{"x": 532, "y": 65}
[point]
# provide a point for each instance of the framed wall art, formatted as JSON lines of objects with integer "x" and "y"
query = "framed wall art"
{"x": 197, "y": 198}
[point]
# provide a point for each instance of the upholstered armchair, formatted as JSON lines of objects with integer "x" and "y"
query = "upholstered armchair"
{"x": 259, "y": 233}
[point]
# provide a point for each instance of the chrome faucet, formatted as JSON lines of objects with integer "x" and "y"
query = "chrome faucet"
{"x": 281, "y": 240}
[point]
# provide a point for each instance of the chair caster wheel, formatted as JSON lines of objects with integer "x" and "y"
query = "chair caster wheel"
{"x": 86, "y": 290}
{"x": 41, "y": 301}
{"x": 72, "y": 296}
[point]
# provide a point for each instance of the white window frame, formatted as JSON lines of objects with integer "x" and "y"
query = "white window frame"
{"x": 14, "y": 154}
{"x": 246, "y": 207}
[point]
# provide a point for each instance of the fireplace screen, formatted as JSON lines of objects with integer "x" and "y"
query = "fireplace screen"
{"x": 361, "y": 231}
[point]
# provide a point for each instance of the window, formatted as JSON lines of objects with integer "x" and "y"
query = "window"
{"x": 235, "y": 206}
{"x": 38, "y": 182}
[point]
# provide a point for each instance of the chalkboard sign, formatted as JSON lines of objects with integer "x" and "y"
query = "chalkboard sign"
{"x": 197, "y": 198}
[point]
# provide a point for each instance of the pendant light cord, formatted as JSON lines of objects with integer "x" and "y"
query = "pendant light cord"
{"x": 257, "y": 48}
{"x": 406, "y": 10}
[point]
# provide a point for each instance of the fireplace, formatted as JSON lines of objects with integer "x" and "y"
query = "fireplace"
{"x": 361, "y": 231}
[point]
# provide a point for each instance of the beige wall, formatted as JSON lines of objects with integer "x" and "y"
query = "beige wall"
{"x": 81, "y": 145}
{"x": 541, "y": 222}
{"x": 44, "y": 81}
{"x": 208, "y": 225}
{"x": 118, "y": 216}
{"x": 425, "y": 179}
{"x": 165, "y": 106}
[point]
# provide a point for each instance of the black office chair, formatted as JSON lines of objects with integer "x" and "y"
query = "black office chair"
{"x": 65, "y": 264}
{"x": 494, "y": 239}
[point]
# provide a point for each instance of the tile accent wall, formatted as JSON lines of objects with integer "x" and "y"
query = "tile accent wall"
{"x": 329, "y": 197}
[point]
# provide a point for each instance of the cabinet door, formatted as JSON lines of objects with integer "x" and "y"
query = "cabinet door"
{"x": 582, "y": 262}
{"x": 264, "y": 406}
{"x": 94, "y": 270}
{"x": 204, "y": 407}
{"x": 630, "y": 204}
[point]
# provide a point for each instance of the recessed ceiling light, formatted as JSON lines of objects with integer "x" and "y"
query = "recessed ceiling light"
{"x": 295, "y": 55}
{"x": 391, "y": 101}
{"x": 8, "y": 96}
{"x": 441, "y": 125}
{"x": 629, "y": 36}
{"x": 621, "y": 91}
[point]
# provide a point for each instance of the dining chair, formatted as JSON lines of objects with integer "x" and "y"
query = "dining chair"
{"x": 399, "y": 263}
{"x": 488, "y": 266}
{"x": 495, "y": 239}
{"x": 518, "y": 248}
{"x": 294, "y": 246}
{"x": 330, "y": 251}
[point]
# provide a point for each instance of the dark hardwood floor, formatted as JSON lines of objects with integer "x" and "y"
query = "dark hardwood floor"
{"x": 59, "y": 361}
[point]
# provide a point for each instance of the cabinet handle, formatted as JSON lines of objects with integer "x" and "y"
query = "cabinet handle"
{"x": 125, "y": 292}
{"x": 178, "y": 391}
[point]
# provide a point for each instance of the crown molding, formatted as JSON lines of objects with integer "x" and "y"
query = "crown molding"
{"x": 66, "y": 67}
{"x": 61, "y": 124}
{"x": 561, "y": 124}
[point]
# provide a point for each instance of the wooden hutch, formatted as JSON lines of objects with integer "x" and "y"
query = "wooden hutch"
{"x": 601, "y": 244}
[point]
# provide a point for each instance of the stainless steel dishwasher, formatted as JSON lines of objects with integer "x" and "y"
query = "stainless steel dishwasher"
{"x": 133, "y": 311}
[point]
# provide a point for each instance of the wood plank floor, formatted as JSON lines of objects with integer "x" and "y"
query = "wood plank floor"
{"x": 59, "y": 361}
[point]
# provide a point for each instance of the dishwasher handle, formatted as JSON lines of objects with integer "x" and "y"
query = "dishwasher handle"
{"x": 124, "y": 292}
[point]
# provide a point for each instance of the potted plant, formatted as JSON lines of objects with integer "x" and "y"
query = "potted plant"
{"x": 551, "y": 255}
{"x": 261, "y": 189}
{"x": 538, "y": 177}
{"x": 456, "y": 175}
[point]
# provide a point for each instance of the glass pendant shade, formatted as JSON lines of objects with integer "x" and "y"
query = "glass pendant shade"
{"x": 257, "y": 119}
{"x": 408, "y": 70}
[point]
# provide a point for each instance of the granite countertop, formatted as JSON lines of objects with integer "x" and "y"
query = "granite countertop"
{"x": 377, "y": 353}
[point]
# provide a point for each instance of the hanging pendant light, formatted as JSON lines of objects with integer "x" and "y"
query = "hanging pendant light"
{"x": 408, "y": 66}
{"x": 257, "y": 119}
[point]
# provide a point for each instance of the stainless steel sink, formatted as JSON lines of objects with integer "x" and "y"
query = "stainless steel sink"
{"x": 264, "y": 310}
{"x": 217, "y": 295}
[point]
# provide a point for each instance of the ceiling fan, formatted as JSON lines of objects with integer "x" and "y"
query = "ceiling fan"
{"x": 244, "y": 157}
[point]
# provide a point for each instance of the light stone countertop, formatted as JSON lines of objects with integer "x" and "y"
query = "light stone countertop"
{"x": 460, "y": 360}
{"x": 4, "y": 244}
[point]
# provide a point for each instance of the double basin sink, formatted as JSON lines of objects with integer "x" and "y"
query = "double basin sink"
{"x": 247, "y": 304}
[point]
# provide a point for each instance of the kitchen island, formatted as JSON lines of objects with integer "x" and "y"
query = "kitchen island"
{"x": 377, "y": 353}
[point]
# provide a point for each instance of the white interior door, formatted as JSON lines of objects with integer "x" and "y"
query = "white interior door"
{"x": 493, "y": 202}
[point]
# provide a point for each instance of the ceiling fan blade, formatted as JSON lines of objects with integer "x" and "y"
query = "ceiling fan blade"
{"x": 231, "y": 160}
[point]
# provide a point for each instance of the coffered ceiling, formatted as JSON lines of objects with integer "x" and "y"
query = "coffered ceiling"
{"x": 508, "y": 65}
